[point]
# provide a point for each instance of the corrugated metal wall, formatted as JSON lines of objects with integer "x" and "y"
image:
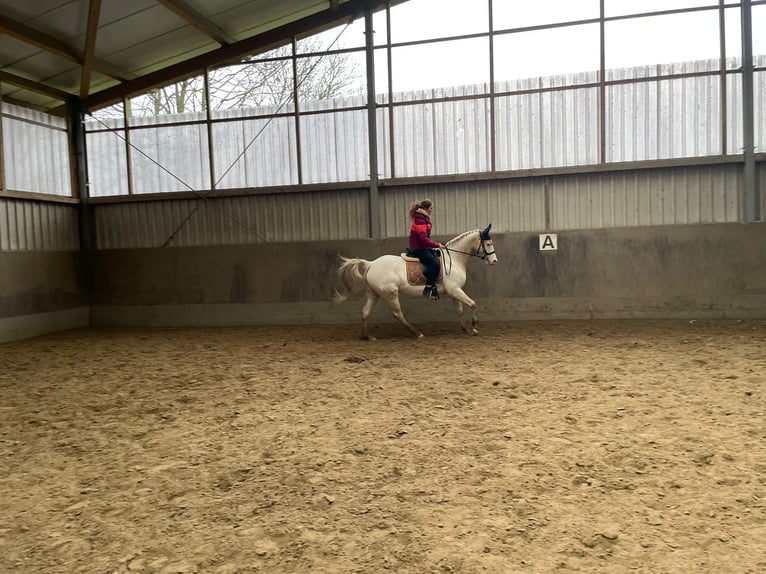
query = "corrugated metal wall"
{"x": 534, "y": 130}
{"x": 235, "y": 220}
{"x": 38, "y": 226}
{"x": 36, "y": 159}
{"x": 761, "y": 176}
{"x": 667, "y": 196}
{"x": 707, "y": 194}
{"x": 510, "y": 205}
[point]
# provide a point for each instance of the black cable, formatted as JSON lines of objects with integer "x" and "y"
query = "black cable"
{"x": 206, "y": 198}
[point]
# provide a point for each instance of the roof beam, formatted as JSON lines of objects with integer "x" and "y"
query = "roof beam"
{"x": 230, "y": 52}
{"x": 33, "y": 86}
{"x": 197, "y": 20}
{"x": 53, "y": 45}
{"x": 90, "y": 46}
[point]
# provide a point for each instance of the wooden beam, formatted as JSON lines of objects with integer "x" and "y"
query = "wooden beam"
{"x": 197, "y": 20}
{"x": 53, "y": 45}
{"x": 33, "y": 86}
{"x": 90, "y": 46}
{"x": 230, "y": 52}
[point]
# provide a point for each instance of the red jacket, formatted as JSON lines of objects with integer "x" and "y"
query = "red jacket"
{"x": 420, "y": 232}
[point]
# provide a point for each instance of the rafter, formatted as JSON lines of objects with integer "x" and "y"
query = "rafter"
{"x": 53, "y": 45}
{"x": 228, "y": 53}
{"x": 8, "y": 78}
{"x": 197, "y": 20}
{"x": 90, "y": 46}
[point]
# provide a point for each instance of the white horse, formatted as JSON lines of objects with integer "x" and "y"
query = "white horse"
{"x": 386, "y": 277}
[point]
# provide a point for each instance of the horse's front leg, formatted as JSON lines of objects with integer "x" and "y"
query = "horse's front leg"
{"x": 460, "y": 298}
{"x": 459, "y": 309}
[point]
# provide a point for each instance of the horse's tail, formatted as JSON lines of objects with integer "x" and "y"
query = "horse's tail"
{"x": 351, "y": 274}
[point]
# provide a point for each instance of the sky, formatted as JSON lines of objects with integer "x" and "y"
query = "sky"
{"x": 630, "y": 42}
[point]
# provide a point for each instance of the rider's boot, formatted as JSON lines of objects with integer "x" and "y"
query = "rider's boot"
{"x": 430, "y": 292}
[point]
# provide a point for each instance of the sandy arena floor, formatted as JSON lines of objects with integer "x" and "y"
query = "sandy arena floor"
{"x": 603, "y": 446}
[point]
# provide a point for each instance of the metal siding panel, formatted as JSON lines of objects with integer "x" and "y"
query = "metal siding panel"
{"x": 14, "y": 228}
{"x": 641, "y": 197}
{"x": 511, "y": 205}
{"x": 4, "y": 226}
{"x": 761, "y": 171}
{"x": 37, "y": 223}
{"x": 26, "y": 227}
{"x": 238, "y": 220}
{"x": 37, "y": 226}
{"x": 667, "y": 196}
{"x": 759, "y": 106}
{"x": 680, "y": 200}
{"x": 706, "y": 201}
{"x": 729, "y": 181}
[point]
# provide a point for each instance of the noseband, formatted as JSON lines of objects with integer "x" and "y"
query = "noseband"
{"x": 484, "y": 251}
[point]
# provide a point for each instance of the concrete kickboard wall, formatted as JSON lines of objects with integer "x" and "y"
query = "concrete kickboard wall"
{"x": 696, "y": 271}
{"x": 42, "y": 292}
{"x": 714, "y": 271}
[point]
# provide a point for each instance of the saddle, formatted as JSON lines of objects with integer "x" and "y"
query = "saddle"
{"x": 415, "y": 270}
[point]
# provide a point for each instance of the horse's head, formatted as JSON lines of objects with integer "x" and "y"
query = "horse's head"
{"x": 487, "y": 248}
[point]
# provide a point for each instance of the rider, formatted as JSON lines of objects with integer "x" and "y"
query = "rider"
{"x": 422, "y": 246}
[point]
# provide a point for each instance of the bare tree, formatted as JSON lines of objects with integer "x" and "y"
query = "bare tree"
{"x": 260, "y": 81}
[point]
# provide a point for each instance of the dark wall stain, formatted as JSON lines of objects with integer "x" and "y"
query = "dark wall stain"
{"x": 239, "y": 288}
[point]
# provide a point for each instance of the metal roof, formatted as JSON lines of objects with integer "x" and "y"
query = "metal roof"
{"x": 103, "y": 50}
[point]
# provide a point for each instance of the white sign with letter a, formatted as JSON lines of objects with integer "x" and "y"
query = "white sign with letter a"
{"x": 549, "y": 242}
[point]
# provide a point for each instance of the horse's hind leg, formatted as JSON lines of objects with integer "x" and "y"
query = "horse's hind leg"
{"x": 372, "y": 298}
{"x": 396, "y": 308}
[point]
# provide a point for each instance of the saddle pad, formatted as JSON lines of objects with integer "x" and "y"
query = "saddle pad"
{"x": 415, "y": 272}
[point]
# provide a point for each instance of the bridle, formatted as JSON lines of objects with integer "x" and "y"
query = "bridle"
{"x": 481, "y": 254}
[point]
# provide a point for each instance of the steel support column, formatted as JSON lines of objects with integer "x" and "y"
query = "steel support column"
{"x": 373, "y": 202}
{"x": 87, "y": 222}
{"x": 750, "y": 195}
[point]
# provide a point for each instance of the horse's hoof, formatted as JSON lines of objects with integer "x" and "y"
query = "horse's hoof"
{"x": 420, "y": 335}
{"x": 474, "y": 331}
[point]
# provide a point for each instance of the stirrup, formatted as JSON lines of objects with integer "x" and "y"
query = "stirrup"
{"x": 431, "y": 293}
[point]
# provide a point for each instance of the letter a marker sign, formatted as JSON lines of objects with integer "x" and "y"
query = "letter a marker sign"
{"x": 548, "y": 242}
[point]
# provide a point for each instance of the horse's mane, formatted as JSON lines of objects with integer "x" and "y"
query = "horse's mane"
{"x": 464, "y": 234}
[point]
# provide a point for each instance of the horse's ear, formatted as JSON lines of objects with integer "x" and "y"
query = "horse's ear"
{"x": 485, "y": 232}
